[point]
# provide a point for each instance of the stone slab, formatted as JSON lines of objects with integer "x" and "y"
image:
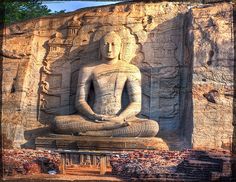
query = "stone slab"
{"x": 68, "y": 142}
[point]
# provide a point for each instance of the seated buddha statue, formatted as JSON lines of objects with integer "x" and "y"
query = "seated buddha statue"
{"x": 106, "y": 117}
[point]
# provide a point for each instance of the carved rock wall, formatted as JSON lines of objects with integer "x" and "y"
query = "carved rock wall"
{"x": 213, "y": 76}
{"x": 42, "y": 58}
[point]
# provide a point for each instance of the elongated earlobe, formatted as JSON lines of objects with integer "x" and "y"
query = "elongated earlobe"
{"x": 119, "y": 56}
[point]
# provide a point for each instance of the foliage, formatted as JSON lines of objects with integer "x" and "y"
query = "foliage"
{"x": 16, "y": 11}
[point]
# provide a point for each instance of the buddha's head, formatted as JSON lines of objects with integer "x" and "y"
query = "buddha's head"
{"x": 110, "y": 46}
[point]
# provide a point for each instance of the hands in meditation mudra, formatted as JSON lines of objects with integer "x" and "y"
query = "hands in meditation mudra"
{"x": 107, "y": 117}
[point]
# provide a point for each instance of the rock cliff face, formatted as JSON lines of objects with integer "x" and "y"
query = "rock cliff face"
{"x": 184, "y": 51}
{"x": 213, "y": 76}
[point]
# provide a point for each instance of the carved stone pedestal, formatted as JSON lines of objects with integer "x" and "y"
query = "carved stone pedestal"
{"x": 94, "y": 151}
{"x": 68, "y": 142}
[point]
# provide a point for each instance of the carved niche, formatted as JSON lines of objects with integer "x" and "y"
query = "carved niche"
{"x": 154, "y": 45}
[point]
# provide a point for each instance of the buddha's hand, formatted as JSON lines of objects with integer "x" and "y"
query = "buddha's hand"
{"x": 99, "y": 118}
{"x": 119, "y": 120}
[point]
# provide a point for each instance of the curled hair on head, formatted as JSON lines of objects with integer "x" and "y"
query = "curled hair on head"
{"x": 112, "y": 34}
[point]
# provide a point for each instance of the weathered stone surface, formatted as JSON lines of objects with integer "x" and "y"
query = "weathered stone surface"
{"x": 184, "y": 52}
{"x": 99, "y": 143}
{"x": 213, "y": 76}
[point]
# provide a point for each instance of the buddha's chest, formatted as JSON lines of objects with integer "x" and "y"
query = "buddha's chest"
{"x": 109, "y": 80}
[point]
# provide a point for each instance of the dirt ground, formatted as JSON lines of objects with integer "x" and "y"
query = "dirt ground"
{"x": 62, "y": 178}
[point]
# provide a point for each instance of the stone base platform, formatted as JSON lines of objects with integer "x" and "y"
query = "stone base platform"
{"x": 68, "y": 142}
{"x": 94, "y": 151}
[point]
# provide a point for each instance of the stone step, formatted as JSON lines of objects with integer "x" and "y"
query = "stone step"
{"x": 80, "y": 170}
{"x": 181, "y": 176}
{"x": 164, "y": 179}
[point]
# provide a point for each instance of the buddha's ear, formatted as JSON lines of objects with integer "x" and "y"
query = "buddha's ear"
{"x": 121, "y": 51}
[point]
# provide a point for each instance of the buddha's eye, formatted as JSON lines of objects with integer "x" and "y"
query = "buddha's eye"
{"x": 113, "y": 43}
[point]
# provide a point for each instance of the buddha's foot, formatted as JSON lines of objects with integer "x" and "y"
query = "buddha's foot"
{"x": 104, "y": 133}
{"x": 82, "y": 133}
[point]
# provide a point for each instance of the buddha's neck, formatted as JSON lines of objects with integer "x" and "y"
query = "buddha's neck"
{"x": 111, "y": 61}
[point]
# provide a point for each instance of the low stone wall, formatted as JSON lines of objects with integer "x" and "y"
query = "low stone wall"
{"x": 27, "y": 161}
{"x": 186, "y": 165}
{"x": 191, "y": 165}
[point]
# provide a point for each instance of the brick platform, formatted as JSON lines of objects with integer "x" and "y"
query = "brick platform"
{"x": 148, "y": 165}
{"x": 187, "y": 165}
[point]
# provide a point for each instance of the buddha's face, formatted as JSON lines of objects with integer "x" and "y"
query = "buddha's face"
{"x": 110, "y": 46}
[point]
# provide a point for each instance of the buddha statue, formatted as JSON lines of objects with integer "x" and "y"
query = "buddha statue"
{"x": 106, "y": 117}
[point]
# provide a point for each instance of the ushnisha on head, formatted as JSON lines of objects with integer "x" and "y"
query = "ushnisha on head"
{"x": 110, "y": 46}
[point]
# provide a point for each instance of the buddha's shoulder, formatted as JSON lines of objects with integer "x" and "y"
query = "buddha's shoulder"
{"x": 87, "y": 68}
{"x": 130, "y": 67}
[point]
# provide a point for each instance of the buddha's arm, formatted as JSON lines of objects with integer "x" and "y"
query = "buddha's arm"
{"x": 84, "y": 82}
{"x": 134, "y": 91}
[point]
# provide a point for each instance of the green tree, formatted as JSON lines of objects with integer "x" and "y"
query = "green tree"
{"x": 16, "y": 11}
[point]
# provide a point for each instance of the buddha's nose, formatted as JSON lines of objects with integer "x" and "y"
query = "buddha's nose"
{"x": 109, "y": 48}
